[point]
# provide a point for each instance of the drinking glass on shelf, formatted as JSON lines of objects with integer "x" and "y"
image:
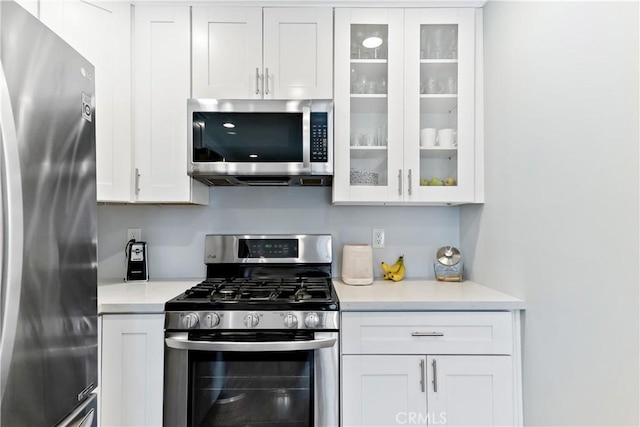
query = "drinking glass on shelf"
{"x": 451, "y": 85}
{"x": 361, "y": 85}
{"x": 431, "y": 85}
{"x": 382, "y": 85}
{"x": 371, "y": 87}
{"x": 452, "y": 42}
{"x": 381, "y": 136}
{"x": 435, "y": 44}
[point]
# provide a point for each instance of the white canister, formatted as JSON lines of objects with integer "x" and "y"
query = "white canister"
{"x": 357, "y": 264}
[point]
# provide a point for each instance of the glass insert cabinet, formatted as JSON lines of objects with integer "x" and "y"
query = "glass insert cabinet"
{"x": 406, "y": 106}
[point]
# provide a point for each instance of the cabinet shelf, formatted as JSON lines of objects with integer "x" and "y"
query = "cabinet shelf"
{"x": 438, "y": 61}
{"x": 369, "y": 61}
{"x": 369, "y": 95}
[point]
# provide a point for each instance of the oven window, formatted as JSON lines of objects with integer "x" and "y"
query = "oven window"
{"x": 251, "y": 389}
{"x": 247, "y": 137}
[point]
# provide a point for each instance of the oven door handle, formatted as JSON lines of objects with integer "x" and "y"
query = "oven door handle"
{"x": 181, "y": 342}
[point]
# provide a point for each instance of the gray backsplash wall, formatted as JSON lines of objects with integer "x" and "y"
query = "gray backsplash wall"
{"x": 175, "y": 234}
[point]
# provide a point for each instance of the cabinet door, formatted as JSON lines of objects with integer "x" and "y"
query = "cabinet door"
{"x": 439, "y": 136}
{"x": 161, "y": 88}
{"x": 368, "y": 105}
{"x": 471, "y": 390}
{"x": 132, "y": 370}
{"x": 101, "y": 32}
{"x": 383, "y": 391}
{"x": 227, "y": 52}
{"x": 298, "y": 53}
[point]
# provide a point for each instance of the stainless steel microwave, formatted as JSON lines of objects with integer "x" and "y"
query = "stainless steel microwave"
{"x": 260, "y": 142}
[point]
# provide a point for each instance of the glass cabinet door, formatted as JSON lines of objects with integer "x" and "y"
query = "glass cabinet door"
{"x": 439, "y": 105}
{"x": 368, "y": 104}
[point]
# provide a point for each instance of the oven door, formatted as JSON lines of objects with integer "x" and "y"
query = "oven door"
{"x": 251, "y": 378}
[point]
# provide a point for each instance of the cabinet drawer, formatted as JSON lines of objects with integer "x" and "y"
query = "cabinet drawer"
{"x": 427, "y": 333}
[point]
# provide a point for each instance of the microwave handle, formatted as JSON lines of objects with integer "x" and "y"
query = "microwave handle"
{"x": 182, "y": 342}
{"x": 306, "y": 136}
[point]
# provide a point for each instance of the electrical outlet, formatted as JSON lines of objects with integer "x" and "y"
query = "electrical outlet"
{"x": 378, "y": 238}
{"x": 134, "y": 233}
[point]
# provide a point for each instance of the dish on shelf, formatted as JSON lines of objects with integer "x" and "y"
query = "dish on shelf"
{"x": 363, "y": 178}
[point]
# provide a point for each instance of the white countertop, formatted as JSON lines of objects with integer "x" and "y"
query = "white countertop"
{"x": 406, "y": 295}
{"x": 117, "y": 296}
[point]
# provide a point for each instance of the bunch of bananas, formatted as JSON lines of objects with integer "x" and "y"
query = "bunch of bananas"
{"x": 396, "y": 271}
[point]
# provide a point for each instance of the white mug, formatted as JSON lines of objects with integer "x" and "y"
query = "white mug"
{"x": 447, "y": 138}
{"x": 428, "y": 137}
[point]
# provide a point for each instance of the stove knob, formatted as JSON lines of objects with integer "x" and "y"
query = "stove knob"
{"x": 251, "y": 320}
{"x": 211, "y": 320}
{"x": 190, "y": 320}
{"x": 312, "y": 320}
{"x": 290, "y": 321}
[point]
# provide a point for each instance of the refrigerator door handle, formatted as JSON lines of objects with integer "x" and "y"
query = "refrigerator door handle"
{"x": 84, "y": 415}
{"x": 11, "y": 234}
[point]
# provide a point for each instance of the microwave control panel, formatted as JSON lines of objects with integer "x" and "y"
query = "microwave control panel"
{"x": 319, "y": 137}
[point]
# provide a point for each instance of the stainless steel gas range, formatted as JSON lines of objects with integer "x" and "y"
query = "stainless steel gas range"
{"x": 256, "y": 343}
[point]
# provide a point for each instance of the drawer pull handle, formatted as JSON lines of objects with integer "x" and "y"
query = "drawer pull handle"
{"x": 435, "y": 376}
{"x": 427, "y": 334}
{"x": 422, "y": 375}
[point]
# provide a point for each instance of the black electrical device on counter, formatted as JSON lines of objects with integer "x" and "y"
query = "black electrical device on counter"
{"x": 137, "y": 261}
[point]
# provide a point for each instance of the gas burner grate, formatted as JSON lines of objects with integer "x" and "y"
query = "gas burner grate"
{"x": 265, "y": 290}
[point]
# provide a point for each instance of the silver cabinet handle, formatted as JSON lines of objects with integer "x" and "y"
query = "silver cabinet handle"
{"x": 409, "y": 186}
{"x": 422, "y": 375}
{"x": 137, "y": 184}
{"x": 435, "y": 376}
{"x": 257, "y": 81}
{"x": 399, "y": 182}
{"x": 266, "y": 81}
{"x": 182, "y": 342}
{"x": 427, "y": 334}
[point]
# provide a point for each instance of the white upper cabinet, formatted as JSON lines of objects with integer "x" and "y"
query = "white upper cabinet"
{"x": 227, "y": 52}
{"x": 161, "y": 89}
{"x": 298, "y": 53}
{"x": 101, "y": 32}
{"x": 256, "y": 53}
{"x": 368, "y": 104}
{"x": 406, "y": 106}
{"x": 439, "y": 79}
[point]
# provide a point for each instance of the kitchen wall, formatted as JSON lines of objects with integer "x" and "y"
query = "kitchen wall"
{"x": 560, "y": 224}
{"x": 175, "y": 234}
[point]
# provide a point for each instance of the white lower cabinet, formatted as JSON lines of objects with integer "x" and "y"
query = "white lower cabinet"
{"x": 131, "y": 371}
{"x": 393, "y": 376}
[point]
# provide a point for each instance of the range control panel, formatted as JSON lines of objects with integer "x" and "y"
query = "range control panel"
{"x": 273, "y": 320}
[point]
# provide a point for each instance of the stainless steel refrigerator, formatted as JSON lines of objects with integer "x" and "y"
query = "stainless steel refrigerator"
{"x": 48, "y": 227}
